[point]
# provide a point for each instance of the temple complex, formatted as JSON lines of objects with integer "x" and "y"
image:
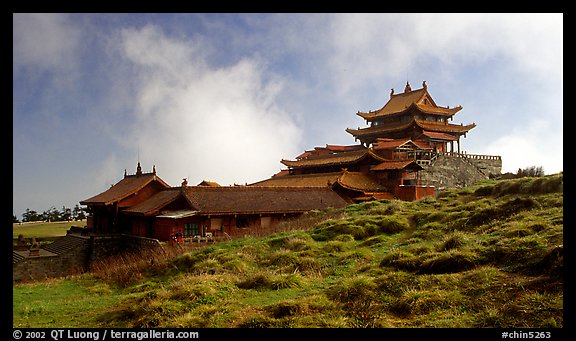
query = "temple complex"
{"x": 409, "y": 151}
{"x": 396, "y": 154}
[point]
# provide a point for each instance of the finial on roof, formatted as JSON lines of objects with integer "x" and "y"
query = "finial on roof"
{"x": 424, "y": 85}
{"x": 184, "y": 182}
{"x": 407, "y": 88}
{"x": 154, "y": 169}
{"x": 125, "y": 172}
{"x": 138, "y": 169}
{"x": 391, "y": 92}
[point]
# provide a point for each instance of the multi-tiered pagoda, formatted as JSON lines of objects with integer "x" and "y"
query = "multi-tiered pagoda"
{"x": 412, "y": 115}
{"x": 407, "y": 134}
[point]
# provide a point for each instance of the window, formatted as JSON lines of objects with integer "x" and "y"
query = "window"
{"x": 242, "y": 222}
{"x": 191, "y": 229}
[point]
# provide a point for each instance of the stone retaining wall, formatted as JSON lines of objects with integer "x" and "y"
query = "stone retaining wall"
{"x": 75, "y": 259}
{"x": 460, "y": 170}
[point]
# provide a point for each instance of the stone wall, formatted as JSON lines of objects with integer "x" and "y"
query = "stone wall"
{"x": 73, "y": 254}
{"x": 460, "y": 170}
{"x": 71, "y": 260}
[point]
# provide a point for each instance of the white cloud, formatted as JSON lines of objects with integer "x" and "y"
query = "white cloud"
{"x": 532, "y": 144}
{"x": 384, "y": 46}
{"x": 44, "y": 40}
{"x": 197, "y": 121}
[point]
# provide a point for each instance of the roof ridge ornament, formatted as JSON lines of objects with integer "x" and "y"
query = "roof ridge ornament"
{"x": 407, "y": 88}
{"x": 424, "y": 86}
{"x": 391, "y": 92}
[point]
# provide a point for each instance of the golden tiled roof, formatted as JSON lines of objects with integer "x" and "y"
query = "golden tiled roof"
{"x": 360, "y": 182}
{"x": 209, "y": 183}
{"x": 329, "y": 149}
{"x": 439, "y": 136}
{"x": 426, "y": 125}
{"x": 356, "y": 181}
{"x": 394, "y": 143}
{"x": 396, "y": 165}
{"x": 304, "y": 180}
{"x": 343, "y": 159}
{"x": 399, "y": 103}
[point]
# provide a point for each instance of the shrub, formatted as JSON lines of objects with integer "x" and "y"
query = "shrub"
{"x": 270, "y": 281}
{"x": 335, "y": 246}
{"x": 422, "y": 302}
{"x": 395, "y": 282}
{"x": 355, "y": 289}
{"x": 448, "y": 262}
{"x": 257, "y": 281}
{"x": 399, "y": 259}
{"x": 484, "y": 191}
{"x": 286, "y": 281}
{"x": 452, "y": 241}
{"x": 285, "y": 309}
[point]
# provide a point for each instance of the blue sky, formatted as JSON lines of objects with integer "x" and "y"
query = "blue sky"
{"x": 225, "y": 97}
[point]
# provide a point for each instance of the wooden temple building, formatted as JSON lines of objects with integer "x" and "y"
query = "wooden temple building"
{"x": 403, "y": 138}
{"x": 412, "y": 115}
{"x": 143, "y": 205}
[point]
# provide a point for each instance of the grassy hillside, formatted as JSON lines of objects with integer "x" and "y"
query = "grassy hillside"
{"x": 489, "y": 255}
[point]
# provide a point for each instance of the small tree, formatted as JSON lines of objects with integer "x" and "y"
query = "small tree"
{"x": 31, "y": 215}
{"x": 66, "y": 214}
{"x": 52, "y": 214}
{"x": 79, "y": 213}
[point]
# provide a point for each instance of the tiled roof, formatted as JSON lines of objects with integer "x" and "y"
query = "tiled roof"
{"x": 351, "y": 180}
{"x": 428, "y": 109}
{"x": 443, "y": 127}
{"x": 402, "y": 102}
{"x": 243, "y": 200}
{"x": 209, "y": 183}
{"x": 422, "y": 144}
{"x": 328, "y": 150}
{"x": 426, "y": 125}
{"x": 336, "y": 148}
{"x": 394, "y": 143}
{"x": 256, "y": 199}
{"x": 439, "y": 136}
{"x": 305, "y": 180}
{"x": 360, "y": 182}
{"x": 129, "y": 185}
{"x": 396, "y": 165}
{"x": 343, "y": 158}
{"x": 155, "y": 203}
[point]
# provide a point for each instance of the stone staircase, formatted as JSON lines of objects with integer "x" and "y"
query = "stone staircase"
{"x": 67, "y": 243}
{"x": 16, "y": 257}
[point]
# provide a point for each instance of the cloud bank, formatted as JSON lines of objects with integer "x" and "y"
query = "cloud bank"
{"x": 199, "y": 121}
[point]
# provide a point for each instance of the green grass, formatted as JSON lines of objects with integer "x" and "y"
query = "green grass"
{"x": 65, "y": 303}
{"x": 490, "y": 255}
{"x": 44, "y": 229}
